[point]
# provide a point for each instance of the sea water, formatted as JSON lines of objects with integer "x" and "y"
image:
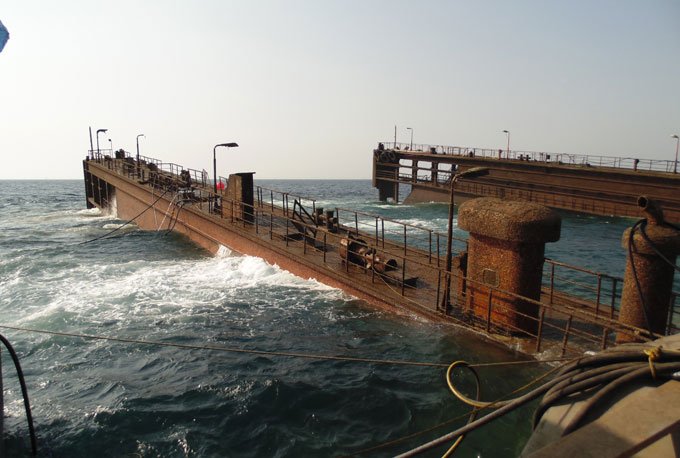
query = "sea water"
{"x": 130, "y": 399}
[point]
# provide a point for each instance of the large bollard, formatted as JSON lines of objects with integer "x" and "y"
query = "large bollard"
{"x": 505, "y": 259}
{"x": 648, "y": 271}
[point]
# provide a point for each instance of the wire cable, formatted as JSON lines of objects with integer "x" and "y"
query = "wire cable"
{"x": 124, "y": 224}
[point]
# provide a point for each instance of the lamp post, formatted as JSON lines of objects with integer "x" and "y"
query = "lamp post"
{"x": 411, "y": 147}
{"x": 228, "y": 145}
{"x": 507, "y": 133}
{"x": 99, "y": 131}
{"x": 470, "y": 173}
{"x": 111, "y": 145}
{"x": 677, "y": 143}
{"x": 138, "y": 165}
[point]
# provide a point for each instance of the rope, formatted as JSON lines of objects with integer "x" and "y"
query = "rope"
{"x": 230, "y": 349}
{"x": 123, "y": 225}
{"x": 24, "y": 393}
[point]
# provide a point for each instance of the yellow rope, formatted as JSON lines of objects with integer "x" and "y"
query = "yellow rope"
{"x": 653, "y": 354}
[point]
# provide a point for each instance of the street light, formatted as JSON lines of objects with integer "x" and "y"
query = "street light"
{"x": 411, "y": 147}
{"x": 138, "y": 166}
{"x": 507, "y": 132}
{"x": 474, "y": 172}
{"x": 99, "y": 131}
{"x": 111, "y": 145}
{"x": 228, "y": 145}
{"x": 677, "y": 143}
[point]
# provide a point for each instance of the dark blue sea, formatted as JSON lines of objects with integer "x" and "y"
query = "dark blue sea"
{"x": 115, "y": 399}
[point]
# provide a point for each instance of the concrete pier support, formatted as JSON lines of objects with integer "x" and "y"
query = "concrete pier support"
{"x": 648, "y": 271}
{"x": 505, "y": 255}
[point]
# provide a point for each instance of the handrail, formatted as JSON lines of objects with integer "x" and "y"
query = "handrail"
{"x": 585, "y": 160}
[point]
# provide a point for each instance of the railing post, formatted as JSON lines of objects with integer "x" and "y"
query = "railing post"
{"x": 552, "y": 281}
{"x": 439, "y": 287}
{"x": 599, "y": 291}
{"x": 376, "y": 231}
{"x": 540, "y": 330}
{"x": 613, "y": 301}
{"x": 488, "y": 310}
{"x": 566, "y": 335}
{"x": 382, "y": 224}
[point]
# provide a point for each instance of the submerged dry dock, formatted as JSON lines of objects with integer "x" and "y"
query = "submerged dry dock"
{"x": 389, "y": 264}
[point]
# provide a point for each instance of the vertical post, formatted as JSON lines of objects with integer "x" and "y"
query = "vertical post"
{"x": 376, "y": 231}
{"x": 404, "y": 241}
{"x": 613, "y": 301}
{"x": 382, "y": 224}
{"x": 539, "y": 334}
{"x": 552, "y": 281}
{"x": 356, "y": 223}
{"x": 429, "y": 248}
{"x": 599, "y": 292}
{"x": 439, "y": 285}
{"x": 566, "y": 335}
{"x": 488, "y": 310}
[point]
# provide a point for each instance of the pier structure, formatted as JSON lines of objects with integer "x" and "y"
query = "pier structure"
{"x": 395, "y": 266}
{"x": 598, "y": 185}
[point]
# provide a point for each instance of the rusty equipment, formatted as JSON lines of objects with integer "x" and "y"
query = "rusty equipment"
{"x": 652, "y": 246}
{"x": 356, "y": 251}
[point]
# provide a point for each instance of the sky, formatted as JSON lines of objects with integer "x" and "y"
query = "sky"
{"x": 308, "y": 88}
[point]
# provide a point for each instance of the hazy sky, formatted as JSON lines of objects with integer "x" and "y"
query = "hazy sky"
{"x": 308, "y": 88}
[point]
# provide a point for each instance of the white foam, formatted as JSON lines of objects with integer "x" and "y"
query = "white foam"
{"x": 94, "y": 211}
{"x": 167, "y": 290}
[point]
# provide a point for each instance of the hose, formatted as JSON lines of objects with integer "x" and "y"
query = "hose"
{"x": 24, "y": 393}
{"x": 609, "y": 370}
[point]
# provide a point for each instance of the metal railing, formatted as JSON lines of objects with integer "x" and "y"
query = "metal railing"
{"x": 584, "y": 160}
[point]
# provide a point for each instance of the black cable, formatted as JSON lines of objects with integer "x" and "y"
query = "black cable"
{"x": 606, "y": 367}
{"x": 631, "y": 243}
{"x": 24, "y": 392}
{"x": 642, "y": 371}
{"x": 126, "y": 223}
{"x": 656, "y": 249}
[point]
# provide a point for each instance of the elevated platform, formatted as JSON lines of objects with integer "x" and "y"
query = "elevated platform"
{"x": 585, "y": 184}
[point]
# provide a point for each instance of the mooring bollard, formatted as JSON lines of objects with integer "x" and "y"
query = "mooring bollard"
{"x": 646, "y": 269}
{"x": 506, "y": 250}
